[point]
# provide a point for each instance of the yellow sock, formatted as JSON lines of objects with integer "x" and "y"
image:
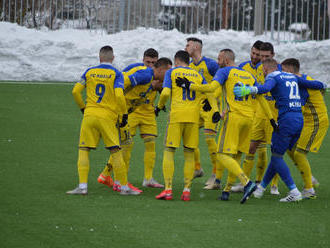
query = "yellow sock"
{"x": 231, "y": 179}
{"x": 108, "y": 168}
{"x": 188, "y": 167}
{"x": 197, "y": 159}
{"x": 126, "y": 153}
{"x": 219, "y": 170}
{"x": 275, "y": 180}
{"x": 119, "y": 167}
{"x": 212, "y": 147}
{"x": 233, "y": 167}
{"x": 248, "y": 164}
{"x": 149, "y": 156}
{"x": 83, "y": 165}
{"x": 168, "y": 167}
{"x": 304, "y": 167}
{"x": 262, "y": 162}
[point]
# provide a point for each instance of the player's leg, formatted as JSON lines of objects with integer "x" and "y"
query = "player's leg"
{"x": 235, "y": 136}
{"x": 198, "y": 171}
{"x": 282, "y": 140}
{"x": 172, "y": 141}
{"x": 190, "y": 137}
{"x": 89, "y": 139}
{"x": 212, "y": 149}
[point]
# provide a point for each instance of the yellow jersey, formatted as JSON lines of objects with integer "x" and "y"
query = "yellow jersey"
{"x": 100, "y": 82}
{"x": 206, "y": 67}
{"x": 138, "y": 92}
{"x": 314, "y": 101}
{"x": 185, "y": 104}
{"x": 228, "y": 78}
{"x": 271, "y": 101}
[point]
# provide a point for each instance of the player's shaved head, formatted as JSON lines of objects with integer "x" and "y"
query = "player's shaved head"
{"x": 229, "y": 54}
{"x": 163, "y": 62}
{"x": 270, "y": 64}
{"x": 182, "y": 56}
{"x": 194, "y": 39}
{"x": 291, "y": 65}
{"x": 106, "y": 54}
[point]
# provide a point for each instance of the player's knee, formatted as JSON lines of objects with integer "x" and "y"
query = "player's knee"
{"x": 148, "y": 138}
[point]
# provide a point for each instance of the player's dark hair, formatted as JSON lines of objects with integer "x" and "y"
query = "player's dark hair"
{"x": 106, "y": 53}
{"x": 152, "y": 53}
{"x": 228, "y": 53}
{"x": 294, "y": 63}
{"x": 195, "y": 40}
{"x": 257, "y": 44}
{"x": 270, "y": 63}
{"x": 182, "y": 56}
{"x": 163, "y": 62}
{"x": 267, "y": 46}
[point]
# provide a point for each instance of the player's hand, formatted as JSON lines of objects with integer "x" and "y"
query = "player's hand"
{"x": 244, "y": 90}
{"x": 82, "y": 110}
{"x": 157, "y": 110}
{"x": 206, "y": 107}
{"x": 216, "y": 117}
{"x": 274, "y": 125}
{"x": 183, "y": 82}
{"x": 123, "y": 122}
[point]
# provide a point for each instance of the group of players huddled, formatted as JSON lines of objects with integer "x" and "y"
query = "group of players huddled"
{"x": 259, "y": 102}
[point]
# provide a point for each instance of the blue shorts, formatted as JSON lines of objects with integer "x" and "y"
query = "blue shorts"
{"x": 290, "y": 126}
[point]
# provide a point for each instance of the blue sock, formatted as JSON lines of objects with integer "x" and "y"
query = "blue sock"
{"x": 270, "y": 173}
{"x": 284, "y": 172}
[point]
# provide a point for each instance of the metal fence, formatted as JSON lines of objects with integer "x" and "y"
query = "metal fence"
{"x": 282, "y": 20}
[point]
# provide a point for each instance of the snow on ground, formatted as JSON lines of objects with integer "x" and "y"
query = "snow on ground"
{"x": 63, "y": 55}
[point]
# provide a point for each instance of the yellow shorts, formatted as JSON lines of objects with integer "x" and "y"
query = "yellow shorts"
{"x": 262, "y": 130}
{"x": 205, "y": 120}
{"x": 188, "y": 131}
{"x": 314, "y": 130}
{"x": 235, "y": 134}
{"x": 93, "y": 128}
{"x": 146, "y": 123}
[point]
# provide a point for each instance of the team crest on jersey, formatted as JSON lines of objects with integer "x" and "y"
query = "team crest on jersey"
{"x": 201, "y": 71}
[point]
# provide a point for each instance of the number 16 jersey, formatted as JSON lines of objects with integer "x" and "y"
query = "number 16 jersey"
{"x": 185, "y": 104}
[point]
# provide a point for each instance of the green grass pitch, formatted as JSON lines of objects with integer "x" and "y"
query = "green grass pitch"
{"x": 39, "y": 131}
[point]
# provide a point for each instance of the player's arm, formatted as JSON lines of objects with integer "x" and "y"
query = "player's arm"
{"x": 76, "y": 92}
{"x": 166, "y": 92}
{"x": 311, "y": 84}
{"x": 120, "y": 98}
{"x": 205, "y": 88}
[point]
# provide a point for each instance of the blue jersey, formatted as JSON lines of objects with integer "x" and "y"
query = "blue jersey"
{"x": 132, "y": 66}
{"x": 284, "y": 87}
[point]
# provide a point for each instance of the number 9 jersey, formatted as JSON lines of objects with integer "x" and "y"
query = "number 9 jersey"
{"x": 185, "y": 104}
{"x": 100, "y": 82}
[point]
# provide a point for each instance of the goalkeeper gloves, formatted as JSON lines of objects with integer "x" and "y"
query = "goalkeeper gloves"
{"x": 274, "y": 125}
{"x": 244, "y": 90}
{"x": 206, "y": 107}
{"x": 123, "y": 122}
{"x": 157, "y": 110}
{"x": 216, "y": 117}
{"x": 183, "y": 82}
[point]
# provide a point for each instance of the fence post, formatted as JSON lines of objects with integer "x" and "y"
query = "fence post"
{"x": 121, "y": 14}
{"x": 259, "y": 17}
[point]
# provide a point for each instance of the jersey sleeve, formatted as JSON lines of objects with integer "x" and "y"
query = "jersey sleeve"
{"x": 212, "y": 67}
{"x": 267, "y": 86}
{"x": 119, "y": 80}
{"x": 167, "y": 79}
{"x": 222, "y": 75}
{"x": 310, "y": 84}
{"x": 141, "y": 77}
{"x": 132, "y": 66}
